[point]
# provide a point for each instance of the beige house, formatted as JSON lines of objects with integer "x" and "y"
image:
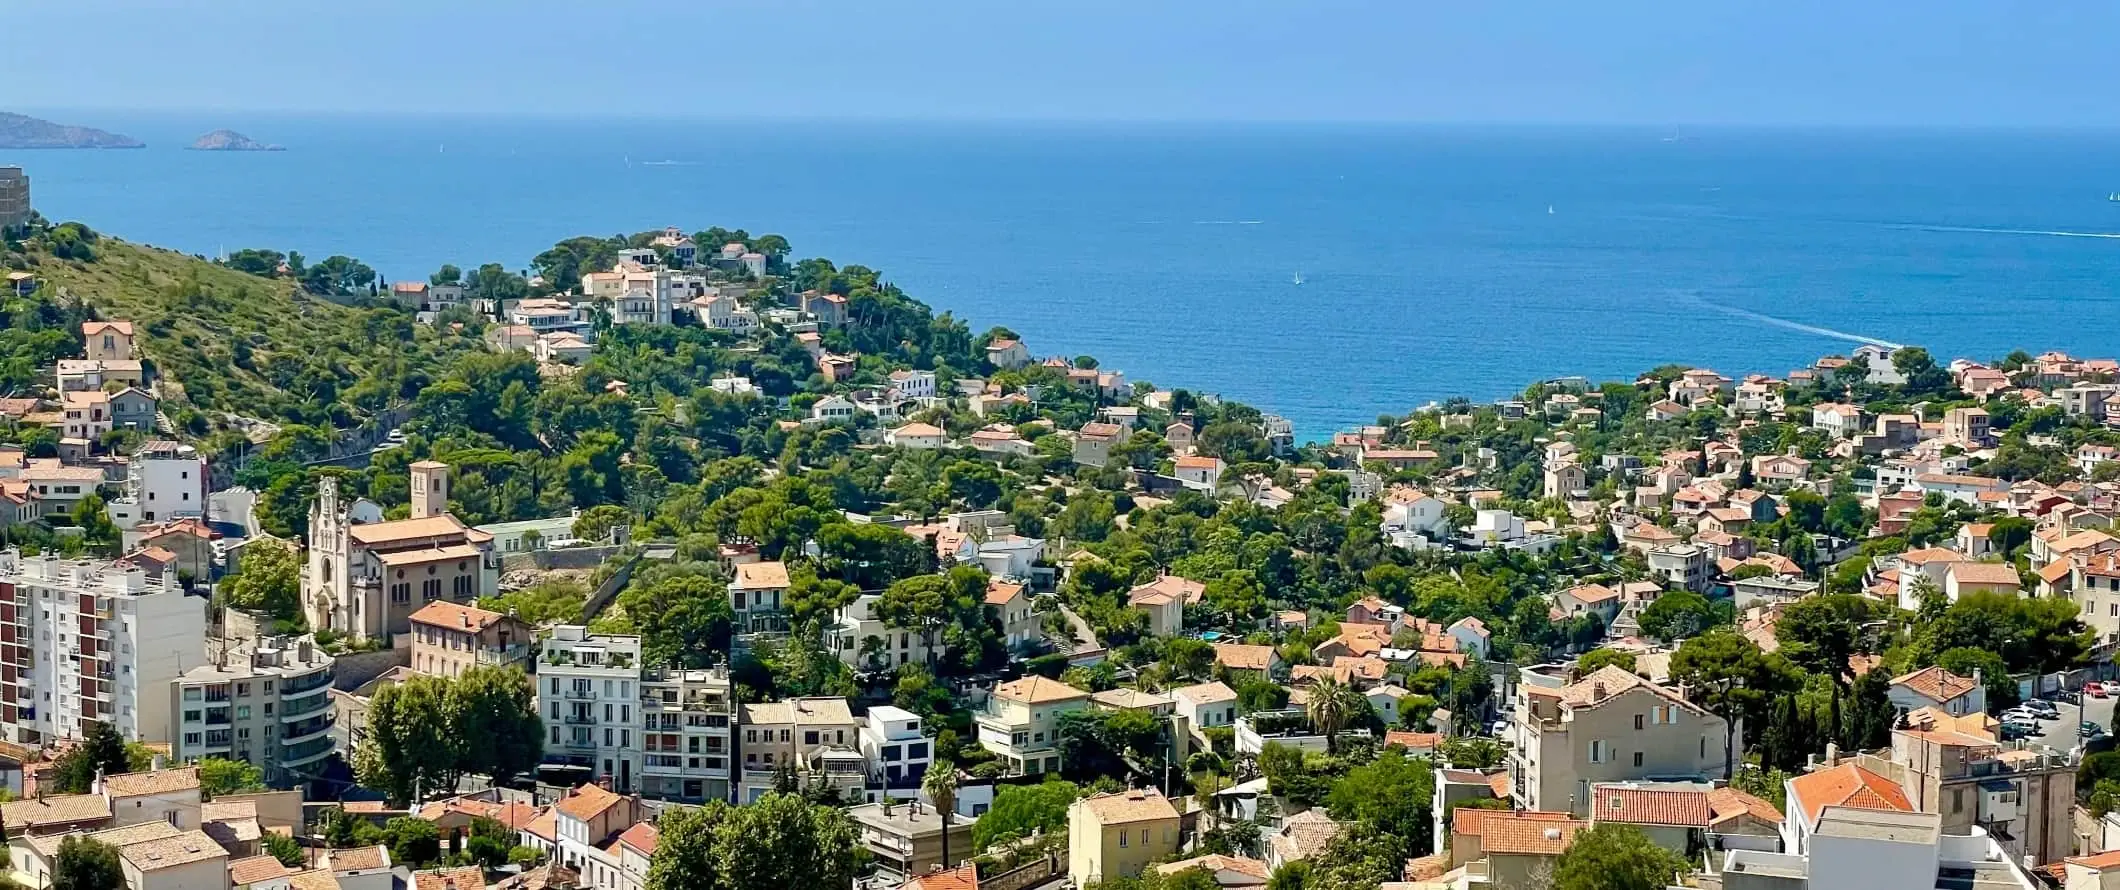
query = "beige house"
{"x": 451, "y": 638}
{"x": 818, "y": 736}
{"x": 1521, "y": 849}
{"x": 756, "y": 594}
{"x": 1164, "y": 601}
{"x": 905, "y": 837}
{"x": 107, "y": 340}
{"x": 1022, "y": 723}
{"x": 2022, "y": 798}
{"x": 1118, "y": 835}
{"x": 1010, "y": 604}
{"x": 1610, "y": 726}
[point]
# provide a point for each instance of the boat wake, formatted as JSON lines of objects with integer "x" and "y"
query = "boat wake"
{"x": 1798, "y": 326}
{"x": 1228, "y": 222}
{"x": 1979, "y": 230}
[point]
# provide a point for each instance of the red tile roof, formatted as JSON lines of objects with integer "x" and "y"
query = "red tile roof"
{"x": 1647, "y": 806}
{"x": 1846, "y": 785}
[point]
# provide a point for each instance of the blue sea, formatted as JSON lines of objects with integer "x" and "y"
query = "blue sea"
{"x": 1434, "y": 261}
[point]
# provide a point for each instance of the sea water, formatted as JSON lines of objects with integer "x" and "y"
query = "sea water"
{"x": 1434, "y": 261}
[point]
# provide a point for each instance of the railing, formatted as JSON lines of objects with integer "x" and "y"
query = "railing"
{"x": 504, "y": 655}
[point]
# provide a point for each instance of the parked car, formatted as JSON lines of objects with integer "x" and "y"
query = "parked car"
{"x": 2094, "y": 689}
{"x": 2045, "y": 709}
{"x": 2070, "y": 695}
{"x": 2014, "y": 729}
{"x": 2089, "y": 730}
{"x": 2021, "y": 715}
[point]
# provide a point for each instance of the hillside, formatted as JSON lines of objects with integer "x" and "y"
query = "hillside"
{"x": 226, "y": 341}
{"x": 22, "y": 131}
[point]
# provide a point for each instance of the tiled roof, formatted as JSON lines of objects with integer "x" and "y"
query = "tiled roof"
{"x": 1512, "y": 833}
{"x": 1592, "y": 593}
{"x": 255, "y": 869}
{"x": 1166, "y": 589}
{"x": 456, "y": 616}
{"x": 1037, "y": 690}
{"x": 1935, "y": 683}
{"x": 1205, "y": 693}
{"x": 2097, "y": 861}
{"x": 1846, "y": 785}
{"x": 761, "y": 576}
{"x": 359, "y": 858}
{"x": 1304, "y": 834}
{"x": 1985, "y": 573}
{"x": 1243, "y": 657}
{"x": 1129, "y": 806}
{"x": 184, "y": 848}
{"x": 60, "y": 809}
{"x": 643, "y": 836}
{"x": 1413, "y": 741}
{"x": 1216, "y": 862}
{"x": 156, "y": 782}
{"x": 1611, "y": 680}
{"x": 545, "y": 826}
{"x": 405, "y": 529}
{"x": 999, "y": 592}
{"x": 470, "y": 877}
{"x": 588, "y": 802}
{"x": 1652, "y": 806}
{"x": 963, "y": 877}
{"x": 1728, "y": 803}
{"x": 1472, "y": 821}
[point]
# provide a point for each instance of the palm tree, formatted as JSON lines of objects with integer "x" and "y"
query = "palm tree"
{"x": 1329, "y": 710}
{"x": 940, "y": 784}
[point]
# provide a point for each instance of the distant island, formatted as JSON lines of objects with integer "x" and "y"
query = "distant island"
{"x": 23, "y": 131}
{"x": 230, "y": 140}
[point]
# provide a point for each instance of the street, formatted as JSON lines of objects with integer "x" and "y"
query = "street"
{"x": 2061, "y": 734}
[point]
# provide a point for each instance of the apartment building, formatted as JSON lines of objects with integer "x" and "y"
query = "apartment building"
{"x": 164, "y": 481}
{"x": 688, "y": 721}
{"x": 451, "y": 638}
{"x": 1955, "y": 768}
{"x": 87, "y": 640}
{"x": 365, "y": 579}
{"x": 1609, "y": 726}
{"x": 866, "y": 643}
{"x": 897, "y": 749}
{"x": 1021, "y": 724}
{"x": 14, "y": 197}
{"x": 267, "y": 703}
{"x": 904, "y": 838}
{"x": 1845, "y": 827}
{"x": 587, "y": 692}
{"x": 815, "y": 737}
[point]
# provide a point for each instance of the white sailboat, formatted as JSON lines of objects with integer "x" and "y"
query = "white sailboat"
{"x": 1549, "y": 210}
{"x": 1299, "y": 279}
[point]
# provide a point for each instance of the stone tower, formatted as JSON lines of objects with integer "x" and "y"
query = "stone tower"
{"x": 430, "y": 489}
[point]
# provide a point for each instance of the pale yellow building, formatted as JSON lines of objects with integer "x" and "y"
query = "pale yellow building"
{"x": 1118, "y": 835}
{"x": 1022, "y": 723}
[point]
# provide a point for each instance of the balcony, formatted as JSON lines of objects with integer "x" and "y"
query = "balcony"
{"x": 308, "y": 752}
{"x": 295, "y": 709}
{"x": 580, "y": 694}
{"x": 302, "y": 732}
{"x": 576, "y": 744}
{"x": 580, "y": 720}
{"x": 503, "y": 655}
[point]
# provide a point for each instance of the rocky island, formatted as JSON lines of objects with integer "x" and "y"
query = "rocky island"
{"x": 230, "y": 140}
{"x": 23, "y": 131}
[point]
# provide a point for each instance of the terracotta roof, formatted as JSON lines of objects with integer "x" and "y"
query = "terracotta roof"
{"x": 470, "y": 877}
{"x": 456, "y": 616}
{"x": 1513, "y": 833}
{"x": 1304, "y": 834}
{"x": 1652, "y": 806}
{"x": 423, "y": 555}
{"x": 1413, "y": 741}
{"x": 2097, "y": 861}
{"x": 963, "y": 877}
{"x": 405, "y": 529}
{"x": 1614, "y": 680}
{"x": 1217, "y": 862}
{"x": 1472, "y": 821}
{"x": 157, "y": 782}
{"x": 1129, "y": 806}
{"x": 255, "y": 869}
{"x": 1729, "y": 803}
{"x": 1985, "y": 573}
{"x": 1846, "y": 785}
{"x": 1592, "y": 593}
{"x": 92, "y": 328}
{"x": 359, "y": 858}
{"x": 1244, "y": 658}
{"x": 1165, "y": 589}
{"x": 761, "y": 576}
{"x": 999, "y": 592}
{"x": 545, "y": 826}
{"x": 1038, "y": 690}
{"x": 1190, "y": 462}
{"x": 588, "y": 802}
{"x": 1935, "y": 683}
{"x": 2054, "y": 572}
{"x": 643, "y": 836}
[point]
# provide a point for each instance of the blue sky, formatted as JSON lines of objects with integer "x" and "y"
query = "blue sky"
{"x": 1947, "y": 62}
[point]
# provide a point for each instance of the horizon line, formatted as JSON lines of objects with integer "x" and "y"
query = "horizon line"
{"x": 766, "y": 117}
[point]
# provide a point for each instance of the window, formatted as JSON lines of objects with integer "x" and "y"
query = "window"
{"x": 1637, "y": 722}
{"x": 1637, "y": 758}
{"x": 1600, "y": 751}
{"x": 1122, "y": 840}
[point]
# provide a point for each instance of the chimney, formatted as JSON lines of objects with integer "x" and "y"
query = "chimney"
{"x": 1832, "y": 754}
{"x": 1597, "y": 691}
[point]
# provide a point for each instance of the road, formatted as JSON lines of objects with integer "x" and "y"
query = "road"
{"x": 233, "y": 505}
{"x": 2060, "y": 735}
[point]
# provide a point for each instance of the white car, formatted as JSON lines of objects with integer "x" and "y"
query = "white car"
{"x": 2021, "y": 715}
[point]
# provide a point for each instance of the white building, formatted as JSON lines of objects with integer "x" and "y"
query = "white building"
{"x": 898, "y": 751}
{"x": 865, "y": 643}
{"x": 914, "y": 384}
{"x": 86, "y": 640}
{"x": 687, "y": 734}
{"x": 586, "y": 693}
{"x": 163, "y": 481}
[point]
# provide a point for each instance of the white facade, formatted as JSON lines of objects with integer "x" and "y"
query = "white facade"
{"x": 267, "y": 703}
{"x": 898, "y": 750}
{"x": 163, "y": 481}
{"x": 84, "y": 640}
{"x": 856, "y": 624}
{"x": 687, "y": 720}
{"x": 587, "y": 693}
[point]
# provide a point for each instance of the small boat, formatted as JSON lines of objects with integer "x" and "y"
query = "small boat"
{"x": 2114, "y": 197}
{"x": 1549, "y": 210}
{"x": 1299, "y": 279}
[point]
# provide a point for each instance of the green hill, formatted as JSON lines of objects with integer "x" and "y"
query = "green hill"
{"x": 226, "y": 342}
